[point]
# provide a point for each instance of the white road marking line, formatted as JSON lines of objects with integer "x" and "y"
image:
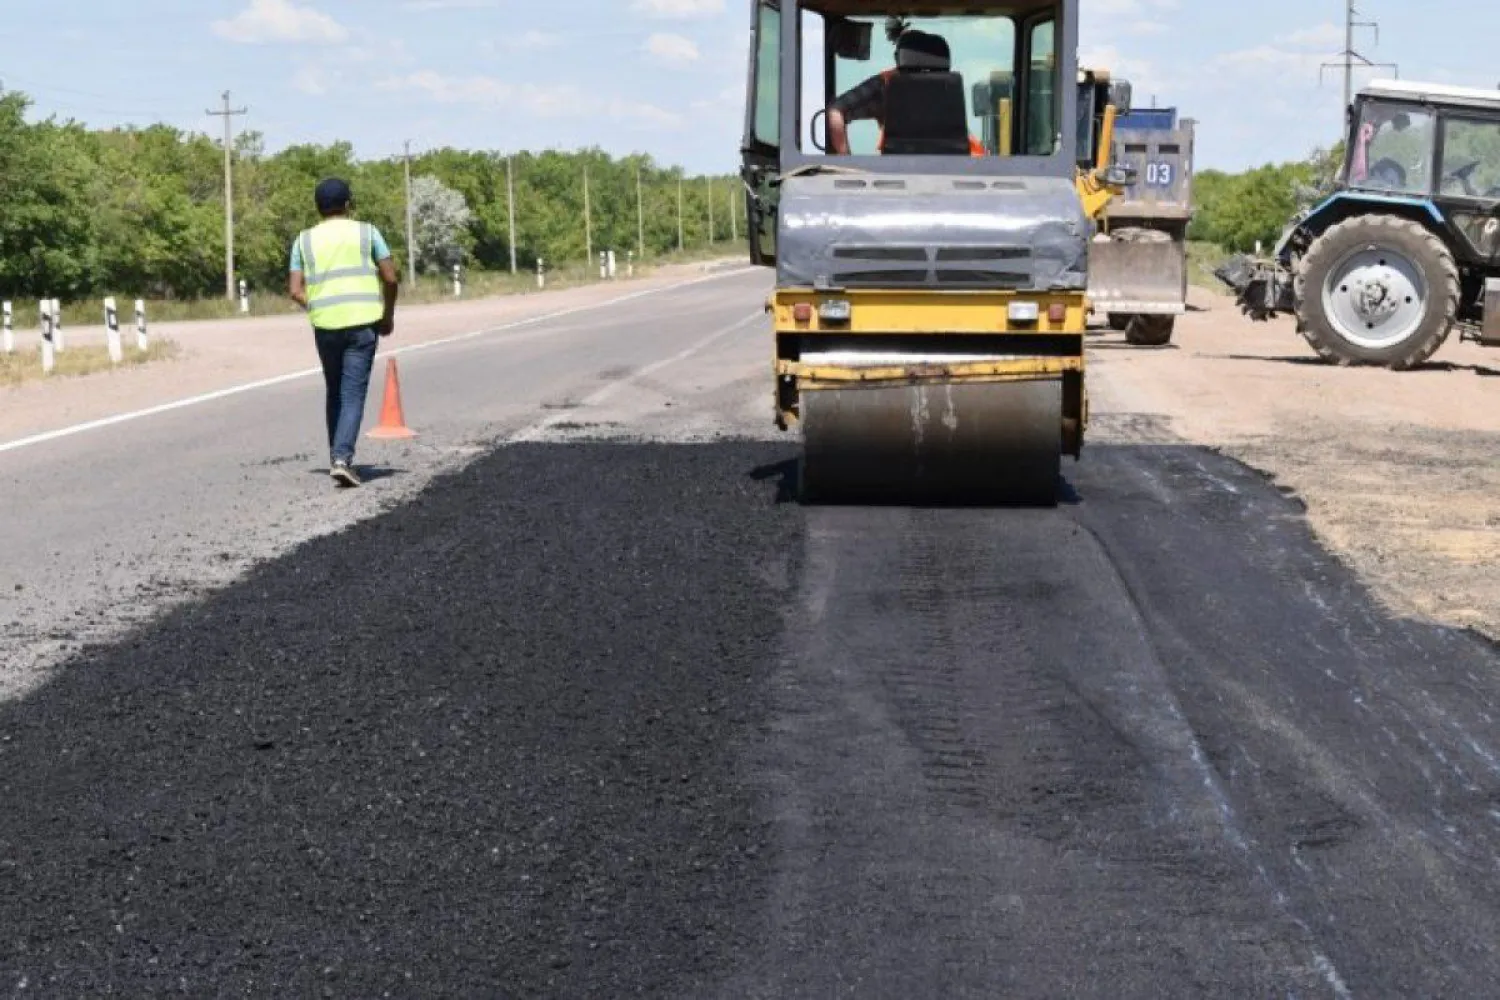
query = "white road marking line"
{"x": 533, "y": 431}
{"x": 209, "y": 397}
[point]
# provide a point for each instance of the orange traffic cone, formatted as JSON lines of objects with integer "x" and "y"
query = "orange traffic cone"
{"x": 392, "y": 420}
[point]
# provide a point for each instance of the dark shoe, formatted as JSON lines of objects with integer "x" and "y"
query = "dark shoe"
{"x": 344, "y": 474}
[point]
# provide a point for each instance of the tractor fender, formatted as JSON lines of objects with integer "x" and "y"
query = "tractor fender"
{"x": 1343, "y": 205}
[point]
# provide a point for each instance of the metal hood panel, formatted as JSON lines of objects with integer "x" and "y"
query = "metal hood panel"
{"x": 892, "y": 231}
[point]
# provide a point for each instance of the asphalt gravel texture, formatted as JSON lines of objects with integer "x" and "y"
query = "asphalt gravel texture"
{"x": 484, "y": 746}
{"x": 623, "y": 720}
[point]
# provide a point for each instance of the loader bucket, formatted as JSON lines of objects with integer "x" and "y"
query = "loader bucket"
{"x": 1132, "y": 277}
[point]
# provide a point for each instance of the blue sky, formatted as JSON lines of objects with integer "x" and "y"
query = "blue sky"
{"x": 660, "y": 76}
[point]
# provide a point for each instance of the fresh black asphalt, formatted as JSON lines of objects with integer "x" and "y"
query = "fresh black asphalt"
{"x": 620, "y": 720}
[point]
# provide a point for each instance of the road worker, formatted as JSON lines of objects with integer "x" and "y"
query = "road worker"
{"x": 342, "y": 273}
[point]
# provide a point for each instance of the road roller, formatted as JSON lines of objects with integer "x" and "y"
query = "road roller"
{"x": 929, "y": 238}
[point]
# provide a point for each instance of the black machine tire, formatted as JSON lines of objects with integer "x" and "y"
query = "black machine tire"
{"x": 1119, "y": 322}
{"x": 1150, "y": 331}
{"x": 1421, "y": 248}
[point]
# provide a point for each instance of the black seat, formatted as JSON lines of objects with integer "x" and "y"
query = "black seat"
{"x": 926, "y": 114}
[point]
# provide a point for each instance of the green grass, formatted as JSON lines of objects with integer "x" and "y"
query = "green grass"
{"x": 1202, "y": 259}
{"x": 429, "y": 288}
{"x": 24, "y": 366}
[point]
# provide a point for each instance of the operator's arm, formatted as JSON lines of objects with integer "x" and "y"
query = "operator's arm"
{"x": 838, "y": 132}
{"x": 863, "y": 103}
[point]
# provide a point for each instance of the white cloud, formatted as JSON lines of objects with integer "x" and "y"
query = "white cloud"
{"x": 543, "y": 101}
{"x": 450, "y": 4}
{"x": 678, "y": 8}
{"x": 673, "y": 50}
{"x": 280, "y": 21}
{"x": 1145, "y": 79}
{"x": 312, "y": 80}
{"x": 529, "y": 40}
{"x": 1323, "y": 36}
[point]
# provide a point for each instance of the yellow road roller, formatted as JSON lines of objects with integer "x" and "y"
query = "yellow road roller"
{"x": 930, "y": 240}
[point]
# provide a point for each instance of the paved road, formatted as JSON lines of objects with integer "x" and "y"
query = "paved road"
{"x": 618, "y": 719}
{"x": 106, "y": 524}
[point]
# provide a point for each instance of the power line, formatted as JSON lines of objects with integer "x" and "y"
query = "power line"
{"x": 1351, "y": 58}
{"x": 228, "y": 114}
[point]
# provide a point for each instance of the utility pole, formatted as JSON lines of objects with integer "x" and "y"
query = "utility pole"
{"x": 228, "y": 114}
{"x": 1349, "y": 59}
{"x": 510, "y": 205}
{"x": 709, "y": 181}
{"x": 679, "y": 213}
{"x": 640, "y": 217}
{"x": 588, "y": 222}
{"x": 411, "y": 229}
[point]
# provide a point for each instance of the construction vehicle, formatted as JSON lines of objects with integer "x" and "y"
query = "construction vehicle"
{"x": 1097, "y": 92}
{"x": 929, "y": 309}
{"x": 1138, "y": 275}
{"x": 1407, "y": 246}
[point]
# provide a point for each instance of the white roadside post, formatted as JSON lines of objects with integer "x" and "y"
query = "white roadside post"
{"x": 541, "y": 274}
{"x": 48, "y": 357}
{"x": 244, "y": 296}
{"x": 603, "y": 265}
{"x": 140, "y": 324}
{"x": 9, "y": 336}
{"x": 112, "y": 330}
{"x": 458, "y": 285}
{"x": 57, "y": 324}
{"x": 630, "y": 263}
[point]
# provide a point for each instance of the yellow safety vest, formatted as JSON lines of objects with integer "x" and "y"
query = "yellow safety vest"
{"x": 343, "y": 286}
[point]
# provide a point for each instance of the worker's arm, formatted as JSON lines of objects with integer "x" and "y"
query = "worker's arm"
{"x": 296, "y": 287}
{"x": 390, "y": 280}
{"x": 390, "y": 284}
{"x": 296, "y": 282}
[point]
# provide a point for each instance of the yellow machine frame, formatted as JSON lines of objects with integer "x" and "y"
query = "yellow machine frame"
{"x": 915, "y": 314}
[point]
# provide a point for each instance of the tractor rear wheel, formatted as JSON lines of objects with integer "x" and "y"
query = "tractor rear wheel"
{"x": 1377, "y": 290}
{"x": 1150, "y": 331}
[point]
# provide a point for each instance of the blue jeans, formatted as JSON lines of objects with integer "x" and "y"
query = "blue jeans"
{"x": 347, "y": 356}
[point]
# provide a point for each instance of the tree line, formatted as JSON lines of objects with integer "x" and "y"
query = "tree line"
{"x": 140, "y": 211}
{"x": 1235, "y": 211}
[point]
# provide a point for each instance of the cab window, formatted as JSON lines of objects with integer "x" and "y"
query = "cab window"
{"x": 1392, "y": 149}
{"x": 1471, "y": 159}
{"x": 1043, "y": 110}
{"x": 983, "y": 51}
{"x": 768, "y": 77}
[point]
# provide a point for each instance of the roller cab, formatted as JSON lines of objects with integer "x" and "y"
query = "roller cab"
{"x": 930, "y": 243}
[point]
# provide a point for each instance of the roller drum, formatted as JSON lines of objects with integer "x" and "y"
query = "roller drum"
{"x": 997, "y": 443}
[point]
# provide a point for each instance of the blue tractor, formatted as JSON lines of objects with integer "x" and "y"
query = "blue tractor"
{"x": 1407, "y": 247}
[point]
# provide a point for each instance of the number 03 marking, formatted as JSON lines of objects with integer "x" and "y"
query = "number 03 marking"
{"x": 1159, "y": 174}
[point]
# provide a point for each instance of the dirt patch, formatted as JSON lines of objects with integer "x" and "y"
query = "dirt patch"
{"x": 1398, "y": 470}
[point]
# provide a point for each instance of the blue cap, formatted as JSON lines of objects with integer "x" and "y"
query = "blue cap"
{"x": 333, "y": 194}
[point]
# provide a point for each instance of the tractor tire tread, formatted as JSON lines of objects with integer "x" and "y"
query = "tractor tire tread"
{"x": 1446, "y": 290}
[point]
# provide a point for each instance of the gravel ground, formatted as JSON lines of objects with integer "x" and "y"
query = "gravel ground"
{"x": 1398, "y": 469}
{"x": 485, "y": 745}
{"x": 616, "y": 719}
